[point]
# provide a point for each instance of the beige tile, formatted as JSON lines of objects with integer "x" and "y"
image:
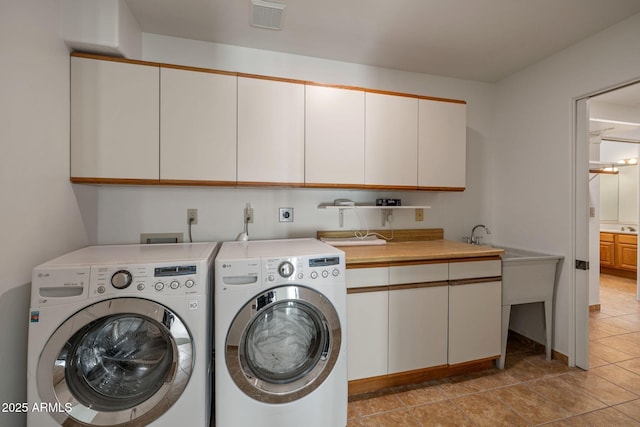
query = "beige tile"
{"x": 570, "y": 398}
{"x": 485, "y": 410}
{"x": 631, "y": 409}
{"x": 611, "y": 355}
{"x": 399, "y": 418}
{"x": 620, "y": 376}
{"x": 598, "y": 387}
{"x": 606, "y": 417}
{"x": 421, "y": 396}
{"x": 622, "y": 343}
{"x": 531, "y": 406}
{"x": 442, "y": 413}
{"x": 374, "y": 405}
{"x": 632, "y": 365}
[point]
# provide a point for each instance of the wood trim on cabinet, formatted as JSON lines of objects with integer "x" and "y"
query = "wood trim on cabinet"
{"x": 196, "y": 183}
{"x": 475, "y": 280}
{"x": 382, "y": 382}
{"x": 402, "y": 235}
{"x": 367, "y": 289}
{"x": 405, "y": 286}
{"x": 420, "y": 188}
{"x": 269, "y": 184}
{"x": 114, "y": 59}
{"x": 113, "y": 181}
{"x": 275, "y": 79}
{"x": 198, "y": 69}
{"x": 474, "y": 259}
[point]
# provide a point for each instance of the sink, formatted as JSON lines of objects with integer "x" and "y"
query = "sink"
{"x": 527, "y": 277}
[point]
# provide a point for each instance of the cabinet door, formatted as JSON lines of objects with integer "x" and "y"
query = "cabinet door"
{"x": 607, "y": 251}
{"x": 417, "y": 327}
{"x": 367, "y": 334}
{"x": 114, "y": 119}
{"x": 198, "y": 125}
{"x": 442, "y": 144}
{"x": 270, "y": 131}
{"x": 626, "y": 252}
{"x": 334, "y": 135}
{"x": 474, "y": 321}
{"x": 391, "y": 140}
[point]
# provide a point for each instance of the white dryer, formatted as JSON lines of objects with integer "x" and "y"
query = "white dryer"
{"x": 280, "y": 334}
{"x": 120, "y": 335}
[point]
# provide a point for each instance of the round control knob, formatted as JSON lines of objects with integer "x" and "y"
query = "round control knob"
{"x": 101, "y": 289}
{"x": 271, "y": 278}
{"x": 159, "y": 286}
{"x": 175, "y": 284}
{"x": 325, "y": 273}
{"x": 335, "y": 272}
{"x": 121, "y": 279}
{"x": 189, "y": 283}
{"x": 141, "y": 286}
{"x": 285, "y": 269}
{"x": 314, "y": 274}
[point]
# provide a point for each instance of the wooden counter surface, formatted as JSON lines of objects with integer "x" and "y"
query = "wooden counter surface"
{"x": 416, "y": 251}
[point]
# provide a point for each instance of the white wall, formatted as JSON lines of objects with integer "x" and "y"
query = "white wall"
{"x": 126, "y": 212}
{"x": 532, "y": 186}
{"x": 40, "y": 212}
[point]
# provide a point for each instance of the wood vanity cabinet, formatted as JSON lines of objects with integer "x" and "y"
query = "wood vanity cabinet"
{"x": 607, "y": 249}
{"x": 626, "y": 252}
{"x": 618, "y": 252}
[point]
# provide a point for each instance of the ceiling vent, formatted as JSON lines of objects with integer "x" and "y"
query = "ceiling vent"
{"x": 266, "y": 14}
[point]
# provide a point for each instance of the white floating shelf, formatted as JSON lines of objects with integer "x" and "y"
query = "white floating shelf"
{"x": 332, "y": 206}
{"x": 384, "y": 210}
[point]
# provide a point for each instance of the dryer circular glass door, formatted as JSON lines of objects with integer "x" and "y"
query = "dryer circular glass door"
{"x": 122, "y": 361}
{"x": 283, "y": 344}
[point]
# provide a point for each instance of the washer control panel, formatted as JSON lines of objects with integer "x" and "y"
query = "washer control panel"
{"x": 301, "y": 268}
{"x": 178, "y": 279}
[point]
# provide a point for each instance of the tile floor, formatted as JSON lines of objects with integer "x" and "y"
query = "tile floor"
{"x": 532, "y": 391}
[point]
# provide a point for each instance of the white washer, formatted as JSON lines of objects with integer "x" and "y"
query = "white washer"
{"x": 280, "y": 334}
{"x": 120, "y": 335}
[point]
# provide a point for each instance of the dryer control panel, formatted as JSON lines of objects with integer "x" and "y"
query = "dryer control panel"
{"x": 278, "y": 270}
{"x": 174, "y": 279}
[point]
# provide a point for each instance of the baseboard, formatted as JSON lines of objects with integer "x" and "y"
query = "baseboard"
{"x": 594, "y": 307}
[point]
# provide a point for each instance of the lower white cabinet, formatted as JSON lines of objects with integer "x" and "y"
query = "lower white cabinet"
{"x": 367, "y": 334}
{"x": 417, "y": 327}
{"x": 474, "y": 321}
{"x": 475, "y": 307}
{"x": 405, "y": 318}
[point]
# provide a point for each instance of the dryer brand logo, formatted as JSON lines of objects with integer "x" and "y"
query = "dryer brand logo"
{"x": 226, "y": 265}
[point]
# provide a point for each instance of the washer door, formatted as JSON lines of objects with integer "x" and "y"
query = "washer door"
{"x": 283, "y": 344}
{"x": 119, "y": 362}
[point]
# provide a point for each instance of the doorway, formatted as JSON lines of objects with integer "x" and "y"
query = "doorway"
{"x": 613, "y": 136}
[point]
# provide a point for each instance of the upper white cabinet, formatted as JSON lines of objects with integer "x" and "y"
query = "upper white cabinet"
{"x": 198, "y": 125}
{"x": 391, "y": 140}
{"x": 114, "y": 119}
{"x": 442, "y": 139}
{"x": 334, "y": 135}
{"x": 270, "y": 131}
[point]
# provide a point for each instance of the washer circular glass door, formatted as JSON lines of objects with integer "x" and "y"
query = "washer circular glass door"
{"x": 122, "y": 361}
{"x": 283, "y": 344}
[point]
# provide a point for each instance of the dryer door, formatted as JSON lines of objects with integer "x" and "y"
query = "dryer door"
{"x": 283, "y": 344}
{"x": 122, "y": 361}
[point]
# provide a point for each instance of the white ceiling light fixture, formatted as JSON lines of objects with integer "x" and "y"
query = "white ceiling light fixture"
{"x": 266, "y": 14}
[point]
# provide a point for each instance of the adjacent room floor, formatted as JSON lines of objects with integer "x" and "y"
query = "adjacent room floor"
{"x": 532, "y": 391}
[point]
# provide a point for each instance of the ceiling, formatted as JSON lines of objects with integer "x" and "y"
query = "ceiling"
{"x": 483, "y": 40}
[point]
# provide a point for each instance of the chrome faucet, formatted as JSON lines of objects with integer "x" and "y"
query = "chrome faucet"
{"x": 475, "y": 240}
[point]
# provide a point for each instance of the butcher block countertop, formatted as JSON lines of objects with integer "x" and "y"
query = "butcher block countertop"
{"x": 433, "y": 249}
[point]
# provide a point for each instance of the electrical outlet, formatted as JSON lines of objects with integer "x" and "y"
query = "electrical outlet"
{"x": 419, "y": 215}
{"x": 248, "y": 214}
{"x": 192, "y": 216}
{"x": 285, "y": 215}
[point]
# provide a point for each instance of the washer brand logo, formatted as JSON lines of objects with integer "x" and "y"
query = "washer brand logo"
{"x": 226, "y": 265}
{"x": 193, "y": 304}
